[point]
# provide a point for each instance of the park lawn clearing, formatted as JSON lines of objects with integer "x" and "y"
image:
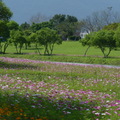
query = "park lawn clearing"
{"x": 69, "y": 51}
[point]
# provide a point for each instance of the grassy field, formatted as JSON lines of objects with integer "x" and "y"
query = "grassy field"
{"x": 68, "y": 52}
{"x": 68, "y": 48}
{"x": 33, "y": 88}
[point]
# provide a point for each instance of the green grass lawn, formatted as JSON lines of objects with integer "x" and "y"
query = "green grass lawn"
{"x": 68, "y": 51}
{"x": 75, "y": 48}
{"x": 67, "y": 48}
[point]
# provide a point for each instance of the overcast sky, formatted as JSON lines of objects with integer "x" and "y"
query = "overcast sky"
{"x": 24, "y": 9}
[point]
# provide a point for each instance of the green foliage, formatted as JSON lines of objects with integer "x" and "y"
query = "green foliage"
{"x": 74, "y": 38}
{"x": 12, "y": 25}
{"x": 87, "y": 40}
{"x": 4, "y": 31}
{"x": 37, "y": 26}
{"x": 26, "y": 34}
{"x": 33, "y": 37}
{"x": 57, "y": 19}
{"x": 102, "y": 39}
{"x": 48, "y": 37}
{"x": 24, "y": 26}
{"x": 60, "y": 18}
{"x": 64, "y": 24}
{"x": 112, "y": 26}
{"x": 17, "y": 38}
{"x": 66, "y": 29}
{"x": 4, "y": 34}
{"x": 5, "y": 13}
{"x": 117, "y": 36}
{"x": 71, "y": 19}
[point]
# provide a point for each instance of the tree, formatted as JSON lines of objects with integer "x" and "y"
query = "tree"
{"x": 34, "y": 39}
{"x": 87, "y": 41}
{"x": 12, "y": 25}
{"x": 57, "y": 19}
{"x": 18, "y": 39}
{"x": 4, "y": 35}
{"x": 104, "y": 40}
{"x": 38, "y": 18}
{"x": 48, "y": 37}
{"x": 26, "y": 34}
{"x": 37, "y": 26}
{"x": 112, "y": 26}
{"x": 5, "y": 13}
{"x": 98, "y": 20}
{"x": 24, "y": 26}
{"x": 117, "y": 36}
{"x": 25, "y": 29}
{"x": 71, "y": 19}
{"x": 64, "y": 24}
{"x": 66, "y": 29}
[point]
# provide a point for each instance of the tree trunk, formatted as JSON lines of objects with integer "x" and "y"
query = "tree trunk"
{"x": 46, "y": 50}
{"x": 5, "y": 47}
{"x": 51, "y": 46}
{"x": 20, "y": 49}
{"x": 0, "y": 47}
{"x": 103, "y": 51}
{"x": 21, "y": 45}
{"x": 26, "y": 46}
{"x": 38, "y": 50}
{"x": 16, "y": 48}
{"x": 110, "y": 49}
{"x": 86, "y": 51}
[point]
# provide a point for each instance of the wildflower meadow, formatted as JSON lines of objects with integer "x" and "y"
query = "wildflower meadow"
{"x": 42, "y": 90}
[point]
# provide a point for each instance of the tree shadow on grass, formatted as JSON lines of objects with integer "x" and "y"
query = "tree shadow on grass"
{"x": 16, "y": 66}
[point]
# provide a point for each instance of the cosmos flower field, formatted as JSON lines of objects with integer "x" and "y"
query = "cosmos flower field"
{"x": 42, "y": 90}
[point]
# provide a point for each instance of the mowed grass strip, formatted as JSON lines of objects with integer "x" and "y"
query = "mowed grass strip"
{"x": 67, "y": 48}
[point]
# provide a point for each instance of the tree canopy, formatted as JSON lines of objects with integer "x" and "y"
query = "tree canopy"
{"x": 117, "y": 36}
{"x": 64, "y": 24}
{"x": 18, "y": 39}
{"x": 24, "y": 26}
{"x": 48, "y": 37}
{"x": 112, "y": 26}
{"x": 5, "y": 13}
{"x": 12, "y": 25}
{"x": 102, "y": 39}
{"x": 98, "y": 20}
{"x": 4, "y": 35}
